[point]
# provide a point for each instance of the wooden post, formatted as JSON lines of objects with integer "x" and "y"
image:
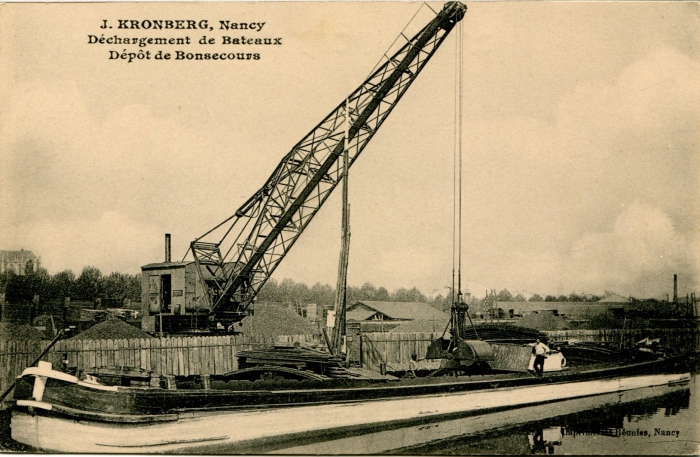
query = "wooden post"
{"x": 206, "y": 381}
{"x": 170, "y": 382}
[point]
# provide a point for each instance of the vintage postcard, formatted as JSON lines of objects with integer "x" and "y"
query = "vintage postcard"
{"x": 350, "y": 227}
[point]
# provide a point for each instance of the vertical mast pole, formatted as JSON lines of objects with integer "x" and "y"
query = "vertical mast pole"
{"x": 462, "y": 321}
{"x": 341, "y": 293}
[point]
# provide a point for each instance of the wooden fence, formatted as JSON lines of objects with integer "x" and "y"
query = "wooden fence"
{"x": 395, "y": 349}
{"x": 180, "y": 356}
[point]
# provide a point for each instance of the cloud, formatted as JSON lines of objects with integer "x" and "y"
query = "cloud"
{"x": 638, "y": 255}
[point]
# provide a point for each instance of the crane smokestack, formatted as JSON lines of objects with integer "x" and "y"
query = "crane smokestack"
{"x": 675, "y": 288}
{"x": 167, "y": 248}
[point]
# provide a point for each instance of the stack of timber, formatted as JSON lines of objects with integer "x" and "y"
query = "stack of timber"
{"x": 305, "y": 362}
{"x": 313, "y": 363}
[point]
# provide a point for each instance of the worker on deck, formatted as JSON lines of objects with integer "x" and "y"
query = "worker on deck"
{"x": 412, "y": 366}
{"x": 540, "y": 351}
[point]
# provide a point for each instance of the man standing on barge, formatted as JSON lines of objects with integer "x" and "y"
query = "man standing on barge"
{"x": 540, "y": 350}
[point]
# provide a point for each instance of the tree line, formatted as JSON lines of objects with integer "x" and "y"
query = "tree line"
{"x": 92, "y": 284}
{"x": 289, "y": 291}
{"x": 504, "y": 295}
{"x": 89, "y": 285}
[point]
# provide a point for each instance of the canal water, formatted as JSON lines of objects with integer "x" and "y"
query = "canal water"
{"x": 651, "y": 421}
{"x": 659, "y": 420}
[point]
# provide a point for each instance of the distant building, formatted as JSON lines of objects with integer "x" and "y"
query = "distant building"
{"x": 614, "y": 298}
{"x": 383, "y": 316}
{"x": 570, "y": 309}
{"x": 20, "y": 262}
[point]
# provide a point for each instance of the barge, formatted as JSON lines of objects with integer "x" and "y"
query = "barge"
{"x": 51, "y": 405}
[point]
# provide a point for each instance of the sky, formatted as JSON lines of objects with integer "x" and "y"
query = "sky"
{"x": 580, "y": 142}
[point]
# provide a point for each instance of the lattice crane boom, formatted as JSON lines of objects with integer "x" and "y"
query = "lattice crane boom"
{"x": 261, "y": 232}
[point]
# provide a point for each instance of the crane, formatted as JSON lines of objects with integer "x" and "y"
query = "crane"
{"x": 236, "y": 257}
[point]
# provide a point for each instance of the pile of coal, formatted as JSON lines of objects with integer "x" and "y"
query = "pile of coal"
{"x": 23, "y": 332}
{"x": 111, "y": 329}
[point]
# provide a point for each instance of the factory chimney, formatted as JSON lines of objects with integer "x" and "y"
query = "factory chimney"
{"x": 675, "y": 288}
{"x": 167, "y": 249}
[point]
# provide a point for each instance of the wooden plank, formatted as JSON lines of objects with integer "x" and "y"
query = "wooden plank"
{"x": 184, "y": 350}
{"x": 219, "y": 356}
{"x": 172, "y": 356}
{"x": 151, "y": 357}
{"x": 197, "y": 356}
{"x": 228, "y": 354}
{"x": 95, "y": 357}
{"x": 97, "y": 352}
{"x": 127, "y": 360}
{"x": 135, "y": 352}
{"x": 93, "y": 354}
{"x": 211, "y": 355}
{"x": 154, "y": 355}
{"x": 188, "y": 361}
{"x": 181, "y": 369}
{"x": 235, "y": 349}
{"x": 166, "y": 360}
{"x": 142, "y": 354}
{"x": 73, "y": 351}
{"x": 193, "y": 355}
{"x": 111, "y": 353}
{"x": 104, "y": 353}
{"x": 203, "y": 354}
{"x": 223, "y": 356}
{"x": 166, "y": 347}
{"x": 88, "y": 356}
{"x": 162, "y": 356}
{"x": 119, "y": 359}
{"x": 179, "y": 356}
{"x": 145, "y": 350}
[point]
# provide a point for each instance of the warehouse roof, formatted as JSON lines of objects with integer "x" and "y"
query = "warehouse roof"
{"x": 396, "y": 310}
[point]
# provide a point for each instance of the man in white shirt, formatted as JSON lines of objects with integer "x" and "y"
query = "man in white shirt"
{"x": 540, "y": 350}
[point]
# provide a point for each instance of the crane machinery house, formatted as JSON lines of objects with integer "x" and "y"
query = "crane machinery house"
{"x": 171, "y": 296}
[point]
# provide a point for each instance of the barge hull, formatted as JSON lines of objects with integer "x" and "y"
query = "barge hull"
{"x": 42, "y": 428}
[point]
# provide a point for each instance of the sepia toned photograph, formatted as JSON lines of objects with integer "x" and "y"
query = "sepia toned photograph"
{"x": 350, "y": 228}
